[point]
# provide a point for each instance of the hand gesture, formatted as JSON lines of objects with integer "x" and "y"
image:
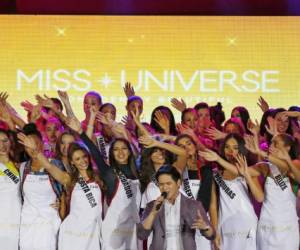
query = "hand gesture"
{"x": 209, "y": 155}
{"x": 179, "y": 105}
{"x": 251, "y": 144}
{"x": 147, "y": 141}
{"x": 28, "y": 106}
{"x": 4, "y": 114}
{"x": 45, "y": 102}
{"x": 74, "y": 124}
{"x": 200, "y": 223}
{"x": 128, "y": 90}
{"x": 280, "y": 153}
{"x": 241, "y": 165}
{"x": 135, "y": 116}
{"x": 215, "y": 134}
{"x": 36, "y": 113}
{"x": 104, "y": 119}
{"x": 63, "y": 96}
{"x": 119, "y": 130}
{"x": 162, "y": 120}
{"x": 27, "y": 141}
{"x": 262, "y": 103}
{"x": 3, "y": 97}
{"x": 184, "y": 129}
{"x": 272, "y": 128}
{"x": 253, "y": 127}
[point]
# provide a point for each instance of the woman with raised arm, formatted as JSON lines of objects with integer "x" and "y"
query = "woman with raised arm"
{"x": 81, "y": 228}
{"x": 122, "y": 191}
{"x": 237, "y": 221}
{"x": 278, "y": 223}
{"x": 39, "y": 219}
{"x": 197, "y": 183}
{"x": 10, "y": 197}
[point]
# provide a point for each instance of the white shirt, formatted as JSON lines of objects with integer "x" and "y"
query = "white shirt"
{"x": 172, "y": 222}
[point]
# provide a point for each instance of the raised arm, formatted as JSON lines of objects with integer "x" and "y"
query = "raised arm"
{"x": 63, "y": 96}
{"x": 180, "y": 163}
{"x": 59, "y": 175}
{"x": 210, "y": 155}
{"x": 253, "y": 183}
{"x": 106, "y": 172}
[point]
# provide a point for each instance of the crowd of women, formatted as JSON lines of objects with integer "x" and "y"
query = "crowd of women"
{"x": 66, "y": 184}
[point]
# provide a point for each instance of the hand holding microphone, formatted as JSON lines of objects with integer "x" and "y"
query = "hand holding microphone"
{"x": 160, "y": 200}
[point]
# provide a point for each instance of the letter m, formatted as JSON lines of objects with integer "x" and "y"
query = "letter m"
{"x": 23, "y": 78}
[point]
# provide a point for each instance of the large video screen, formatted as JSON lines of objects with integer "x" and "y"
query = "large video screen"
{"x": 232, "y": 60}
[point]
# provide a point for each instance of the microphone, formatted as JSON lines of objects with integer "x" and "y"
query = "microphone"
{"x": 164, "y": 195}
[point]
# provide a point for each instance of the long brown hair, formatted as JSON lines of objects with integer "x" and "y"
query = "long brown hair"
{"x": 90, "y": 172}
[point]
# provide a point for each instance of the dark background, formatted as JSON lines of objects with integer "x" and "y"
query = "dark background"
{"x": 152, "y": 7}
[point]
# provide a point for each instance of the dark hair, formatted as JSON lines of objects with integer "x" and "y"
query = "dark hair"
{"x": 57, "y": 102}
{"x": 188, "y": 110}
{"x": 244, "y": 114}
{"x": 131, "y": 159}
{"x": 156, "y": 127}
{"x": 107, "y": 105}
{"x": 273, "y": 113}
{"x": 241, "y": 144}
{"x": 201, "y": 105}
{"x": 288, "y": 140}
{"x": 217, "y": 115}
{"x": 179, "y": 137}
{"x": 31, "y": 129}
{"x": 96, "y": 94}
{"x": 134, "y": 98}
{"x": 58, "y": 154}
{"x": 147, "y": 167}
{"x": 169, "y": 170}
{"x": 263, "y": 122}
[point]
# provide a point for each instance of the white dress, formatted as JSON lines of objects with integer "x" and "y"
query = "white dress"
{"x": 10, "y": 211}
{"x": 39, "y": 221}
{"x": 193, "y": 185}
{"x": 237, "y": 219}
{"x": 81, "y": 228}
{"x": 278, "y": 224}
{"x": 119, "y": 225}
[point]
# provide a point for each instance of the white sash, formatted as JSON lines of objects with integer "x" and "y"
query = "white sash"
{"x": 278, "y": 178}
{"x": 186, "y": 185}
{"x": 9, "y": 174}
{"x": 222, "y": 184}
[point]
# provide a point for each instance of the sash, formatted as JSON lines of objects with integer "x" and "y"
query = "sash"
{"x": 222, "y": 184}
{"x": 9, "y": 174}
{"x": 101, "y": 146}
{"x": 278, "y": 178}
{"x": 87, "y": 191}
{"x": 186, "y": 185}
{"x": 125, "y": 184}
{"x": 153, "y": 179}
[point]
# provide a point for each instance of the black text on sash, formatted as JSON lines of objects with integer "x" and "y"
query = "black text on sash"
{"x": 126, "y": 185}
{"x": 280, "y": 182}
{"x": 11, "y": 176}
{"x": 222, "y": 184}
{"x": 187, "y": 188}
{"x": 88, "y": 193}
{"x": 101, "y": 147}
